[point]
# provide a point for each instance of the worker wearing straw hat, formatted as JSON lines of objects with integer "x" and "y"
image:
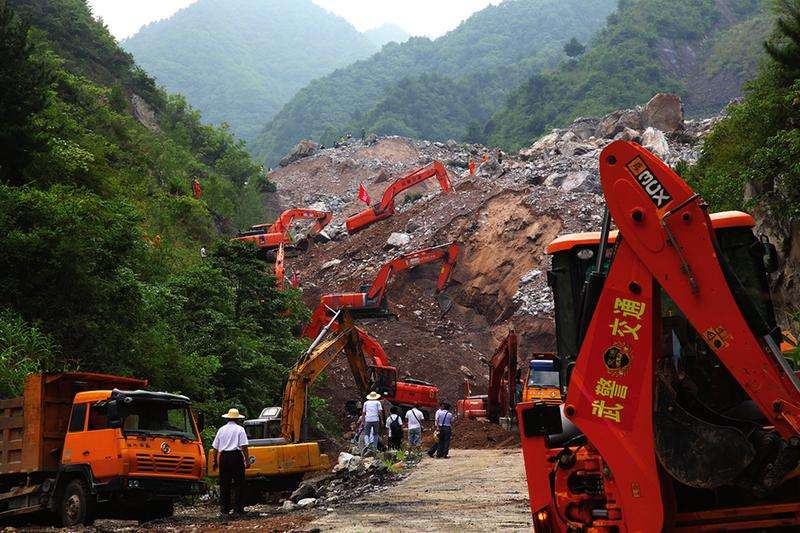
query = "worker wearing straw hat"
{"x": 229, "y": 452}
{"x": 373, "y": 420}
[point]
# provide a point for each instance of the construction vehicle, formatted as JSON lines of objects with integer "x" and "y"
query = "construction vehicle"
{"x": 542, "y": 379}
{"x": 79, "y": 446}
{"x": 386, "y": 208}
{"x": 371, "y": 301}
{"x": 270, "y": 236}
{"x": 280, "y": 450}
{"x": 684, "y": 413}
{"x": 500, "y": 397}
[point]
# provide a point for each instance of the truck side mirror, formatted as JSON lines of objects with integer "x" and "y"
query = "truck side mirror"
{"x": 201, "y": 421}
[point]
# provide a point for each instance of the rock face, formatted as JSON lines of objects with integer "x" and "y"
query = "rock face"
{"x": 144, "y": 113}
{"x": 663, "y": 112}
{"x": 618, "y": 121}
{"x": 303, "y": 149}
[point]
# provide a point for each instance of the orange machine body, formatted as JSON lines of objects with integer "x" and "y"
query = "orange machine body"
{"x": 500, "y": 397}
{"x": 386, "y": 208}
{"x": 270, "y": 236}
{"x": 624, "y": 472}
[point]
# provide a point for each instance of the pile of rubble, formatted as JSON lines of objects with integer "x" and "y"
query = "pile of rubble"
{"x": 504, "y": 216}
{"x": 351, "y": 477}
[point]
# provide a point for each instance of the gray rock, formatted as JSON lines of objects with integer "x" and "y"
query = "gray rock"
{"x": 541, "y": 146}
{"x": 144, "y": 113}
{"x": 584, "y": 127}
{"x": 628, "y": 135}
{"x": 371, "y": 139}
{"x": 397, "y": 240}
{"x": 663, "y": 112}
{"x": 655, "y": 141}
{"x": 412, "y": 226}
{"x": 577, "y": 181}
{"x": 451, "y": 144}
{"x": 303, "y": 149}
{"x": 305, "y": 490}
{"x": 344, "y": 458}
{"x": 288, "y": 505}
{"x": 617, "y": 121}
{"x": 328, "y": 264}
{"x": 307, "y": 502}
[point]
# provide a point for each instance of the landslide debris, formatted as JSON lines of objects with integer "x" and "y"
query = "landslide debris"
{"x": 504, "y": 216}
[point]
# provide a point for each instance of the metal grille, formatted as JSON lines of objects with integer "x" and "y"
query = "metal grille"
{"x": 164, "y": 464}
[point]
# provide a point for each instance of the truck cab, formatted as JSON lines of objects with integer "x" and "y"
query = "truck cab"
{"x": 542, "y": 381}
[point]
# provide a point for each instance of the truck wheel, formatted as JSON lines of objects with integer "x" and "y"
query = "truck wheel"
{"x": 76, "y": 506}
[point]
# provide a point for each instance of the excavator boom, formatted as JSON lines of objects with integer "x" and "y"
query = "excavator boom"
{"x": 374, "y": 297}
{"x": 645, "y": 435}
{"x": 385, "y": 208}
{"x": 267, "y": 237}
{"x": 280, "y": 269}
{"x": 501, "y": 394}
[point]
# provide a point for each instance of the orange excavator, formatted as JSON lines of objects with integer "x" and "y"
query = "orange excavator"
{"x": 500, "y": 398}
{"x": 385, "y": 208}
{"x": 371, "y": 301}
{"x": 681, "y": 413}
{"x": 269, "y": 237}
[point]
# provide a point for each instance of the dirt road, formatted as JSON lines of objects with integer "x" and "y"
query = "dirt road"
{"x": 474, "y": 490}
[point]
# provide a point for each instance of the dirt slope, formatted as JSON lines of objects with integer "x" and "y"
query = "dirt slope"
{"x": 504, "y": 216}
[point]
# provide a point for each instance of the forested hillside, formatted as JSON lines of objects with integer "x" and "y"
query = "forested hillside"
{"x": 387, "y": 33}
{"x": 750, "y": 161}
{"x": 101, "y": 267}
{"x": 703, "y": 50}
{"x": 239, "y": 61}
{"x": 436, "y": 88}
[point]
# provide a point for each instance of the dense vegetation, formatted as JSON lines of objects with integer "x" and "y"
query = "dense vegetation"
{"x": 641, "y": 52}
{"x": 750, "y": 160}
{"x": 101, "y": 267}
{"x": 239, "y": 61}
{"x": 436, "y": 88}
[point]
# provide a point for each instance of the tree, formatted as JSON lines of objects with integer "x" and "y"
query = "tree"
{"x": 784, "y": 47}
{"x": 573, "y": 48}
{"x": 24, "y": 90}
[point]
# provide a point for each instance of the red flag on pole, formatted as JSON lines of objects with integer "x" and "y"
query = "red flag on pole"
{"x": 363, "y": 195}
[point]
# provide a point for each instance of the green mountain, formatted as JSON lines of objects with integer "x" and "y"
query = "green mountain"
{"x": 102, "y": 267}
{"x": 239, "y": 61}
{"x": 487, "y": 55}
{"x": 702, "y": 50}
{"x": 387, "y": 33}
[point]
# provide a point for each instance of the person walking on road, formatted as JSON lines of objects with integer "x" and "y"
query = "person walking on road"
{"x": 444, "y": 426}
{"x": 414, "y": 418}
{"x": 373, "y": 419}
{"x": 395, "y": 426}
{"x": 230, "y": 454}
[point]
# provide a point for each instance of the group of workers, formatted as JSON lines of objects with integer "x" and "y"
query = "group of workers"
{"x": 373, "y": 420}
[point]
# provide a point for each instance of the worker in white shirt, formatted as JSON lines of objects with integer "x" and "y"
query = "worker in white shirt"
{"x": 373, "y": 420}
{"x": 229, "y": 453}
{"x": 414, "y": 417}
{"x": 444, "y": 427}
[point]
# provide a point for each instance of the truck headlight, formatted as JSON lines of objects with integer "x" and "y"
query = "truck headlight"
{"x": 133, "y": 483}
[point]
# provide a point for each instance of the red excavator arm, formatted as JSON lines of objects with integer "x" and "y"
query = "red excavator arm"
{"x": 374, "y": 298}
{"x": 267, "y": 237}
{"x": 647, "y": 436}
{"x": 502, "y": 379}
{"x": 385, "y": 208}
{"x": 501, "y": 394}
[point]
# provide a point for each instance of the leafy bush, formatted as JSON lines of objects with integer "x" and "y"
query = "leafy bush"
{"x": 23, "y": 350}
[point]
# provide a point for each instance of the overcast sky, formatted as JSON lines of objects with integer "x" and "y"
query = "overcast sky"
{"x": 418, "y": 17}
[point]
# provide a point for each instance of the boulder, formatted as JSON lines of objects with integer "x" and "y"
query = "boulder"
{"x": 288, "y": 505}
{"x": 371, "y": 139}
{"x": 303, "y": 149}
{"x": 617, "y": 121}
{"x": 541, "y": 146}
{"x": 628, "y": 135}
{"x": 655, "y": 141}
{"x": 584, "y": 127}
{"x": 578, "y": 181}
{"x": 451, "y": 144}
{"x": 305, "y": 490}
{"x": 663, "y": 112}
{"x": 344, "y": 458}
{"x": 307, "y": 502}
{"x": 397, "y": 240}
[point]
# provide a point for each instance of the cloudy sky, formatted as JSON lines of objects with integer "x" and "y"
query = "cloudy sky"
{"x": 417, "y": 17}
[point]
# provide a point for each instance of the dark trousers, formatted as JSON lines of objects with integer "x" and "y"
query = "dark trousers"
{"x": 231, "y": 480}
{"x": 396, "y": 440}
{"x": 442, "y": 448}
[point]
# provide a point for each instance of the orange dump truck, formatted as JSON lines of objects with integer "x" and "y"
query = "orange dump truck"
{"x": 80, "y": 445}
